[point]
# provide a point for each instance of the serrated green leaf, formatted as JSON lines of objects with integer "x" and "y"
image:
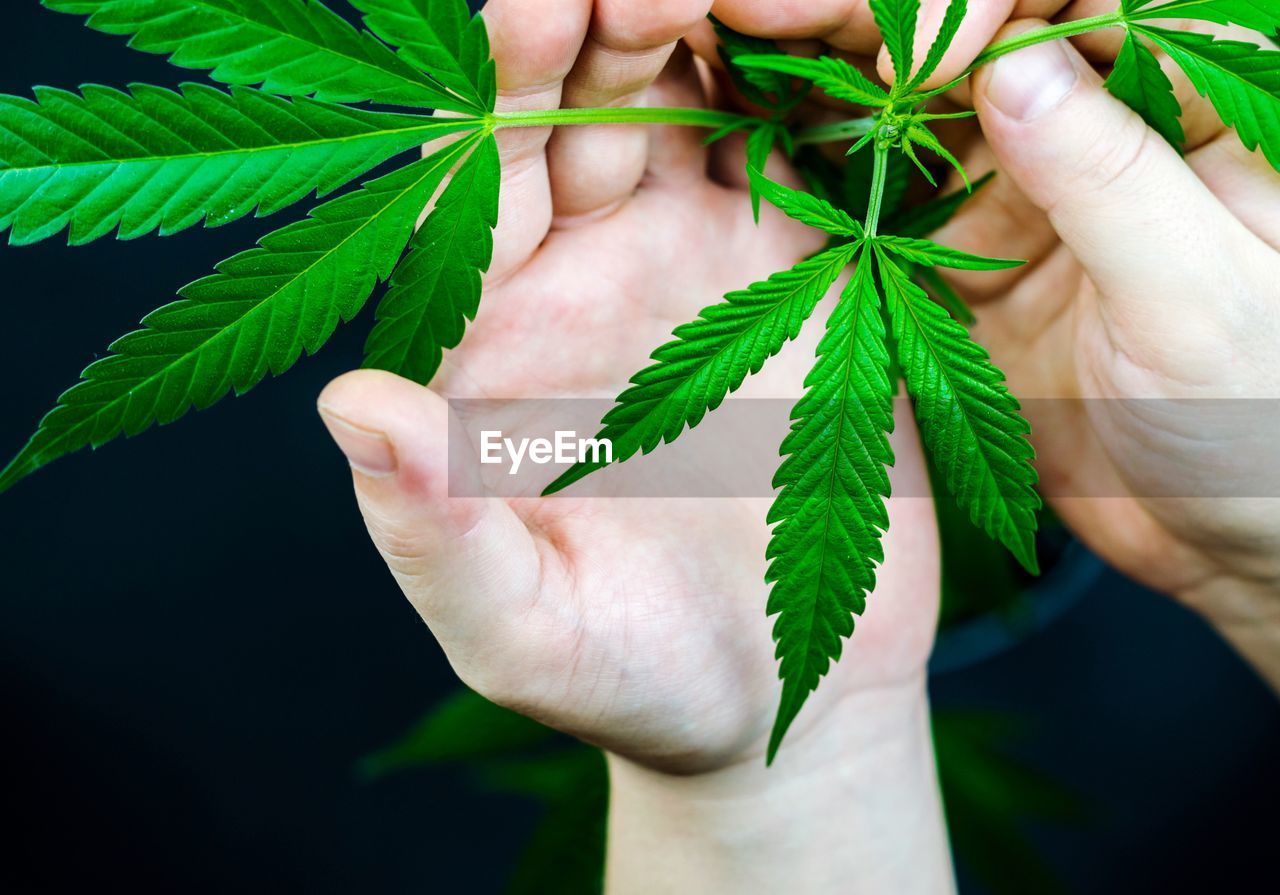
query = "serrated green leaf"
{"x": 441, "y": 38}
{"x": 930, "y": 254}
{"x": 255, "y": 316}
{"x": 291, "y": 47}
{"x": 956, "y": 11}
{"x": 435, "y": 289}
{"x": 760, "y": 143}
{"x": 805, "y": 208}
{"x": 767, "y": 89}
{"x": 1140, "y": 83}
{"x": 154, "y": 159}
{"x": 919, "y": 134}
{"x": 711, "y": 357}
{"x": 1260, "y": 15}
{"x": 1240, "y": 79}
{"x": 834, "y": 76}
{"x": 830, "y": 512}
{"x": 897, "y": 22}
{"x": 969, "y": 421}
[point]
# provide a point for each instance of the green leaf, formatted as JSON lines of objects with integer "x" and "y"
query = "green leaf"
{"x": 946, "y": 295}
{"x": 760, "y": 143}
{"x": 1140, "y": 83}
{"x": 436, "y": 288}
{"x": 930, "y": 254}
{"x": 255, "y": 316}
{"x": 956, "y": 11}
{"x": 441, "y": 38}
{"x": 154, "y": 159}
{"x": 919, "y": 134}
{"x": 830, "y": 512}
{"x": 767, "y": 89}
{"x": 835, "y": 76}
{"x": 805, "y": 208}
{"x": 711, "y": 357}
{"x": 1260, "y": 15}
{"x": 1240, "y": 79}
{"x": 968, "y": 419}
{"x": 292, "y": 47}
{"x": 897, "y": 22}
{"x": 922, "y": 220}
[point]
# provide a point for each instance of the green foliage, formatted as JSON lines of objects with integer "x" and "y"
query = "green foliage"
{"x": 804, "y": 207}
{"x": 441, "y": 38}
{"x": 153, "y": 159}
{"x": 922, "y": 251}
{"x": 969, "y": 421}
{"x": 770, "y": 90}
{"x": 292, "y": 47}
{"x": 1140, "y": 82}
{"x": 1260, "y": 15}
{"x": 711, "y": 357}
{"x": 897, "y": 22}
{"x": 956, "y": 11}
{"x": 255, "y": 316}
{"x": 436, "y": 288}
{"x": 1242, "y": 81}
{"x": 835, "y": 76}
{"x": 830, "y": 511}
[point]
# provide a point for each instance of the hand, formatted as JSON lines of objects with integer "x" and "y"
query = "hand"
{"x": 637, "y": 624}
{"x": 1153, "y": 278}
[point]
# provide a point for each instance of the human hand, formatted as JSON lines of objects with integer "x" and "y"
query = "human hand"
{"x": 638, "y": 624}
{"x": 1152, "y": 287}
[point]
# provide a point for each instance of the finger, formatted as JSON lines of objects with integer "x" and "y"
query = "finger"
{"x": 847, "y": 24}
{"x": 1121, "y": 198}
{"x": 1244, "y": 182}
{"x": 594, "y": 168}
{"x": 460, "y": 560}
{"x": 676, "y": 153}
{"x": 535, "y": 43}
{"x": 980, "y": 24}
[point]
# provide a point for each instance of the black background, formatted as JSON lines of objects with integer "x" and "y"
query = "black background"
{"x": 197, "y": 641}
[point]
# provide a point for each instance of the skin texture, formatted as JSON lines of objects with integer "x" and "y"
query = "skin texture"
{"x": 637, "y": 624}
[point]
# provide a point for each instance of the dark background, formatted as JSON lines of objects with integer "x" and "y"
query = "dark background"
{"x": 198, "y": 641}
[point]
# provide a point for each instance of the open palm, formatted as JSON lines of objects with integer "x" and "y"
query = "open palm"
{"x": 635, "y": 623}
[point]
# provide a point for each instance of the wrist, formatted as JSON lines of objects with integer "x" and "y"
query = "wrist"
{"x": 852, "y": 806}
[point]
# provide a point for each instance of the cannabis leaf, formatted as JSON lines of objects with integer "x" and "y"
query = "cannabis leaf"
{"x": 710, "y": 357}
{"x": 1140, "y": 82}
{"x": 436, "y": 288}
{"x": 922, "y": 251}
{"x": 292, "y": 47}
{"x": 255, "y": 316}
{"x": 804, "y": 207}
{"x": 1260, "y": 15}
{"x": 835, "y": 76}
{"x": 968, "y": 419}
{"x": 922, "y": 220}
{"x": 830, "y": 512}
{"x": 1242, "y": 81}
{"x": 956, "y": 11}
{"x": 154, "y": 159}
{"x": 770, "y": 90}
{"x": 442, "y": 38}
{"x": 897, "y": 22}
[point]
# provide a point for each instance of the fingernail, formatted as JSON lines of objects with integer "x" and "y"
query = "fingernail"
{"x": 1027, "y": 84}
{"x": 369, "y": 452}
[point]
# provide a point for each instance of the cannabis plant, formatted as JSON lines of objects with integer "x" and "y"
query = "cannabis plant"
{"x": 314, "y": 103}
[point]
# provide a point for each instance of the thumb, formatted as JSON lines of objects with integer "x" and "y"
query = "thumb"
{"x": 1149, "y": 233}
{"x": 458, "y": 559}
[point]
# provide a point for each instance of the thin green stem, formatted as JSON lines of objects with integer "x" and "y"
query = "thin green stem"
{"x": 830, "y": 133}
{"x": 710, "y": 118}
{"x": 1053, "y": 32}
{"x": 878, "y": 177}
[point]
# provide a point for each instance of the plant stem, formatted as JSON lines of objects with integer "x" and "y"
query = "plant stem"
{"x": 1053, "y": 32}
{"x": 710, "y": 118}
{"x": 878, "y": 177}
{"x": 830, "y": 133}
